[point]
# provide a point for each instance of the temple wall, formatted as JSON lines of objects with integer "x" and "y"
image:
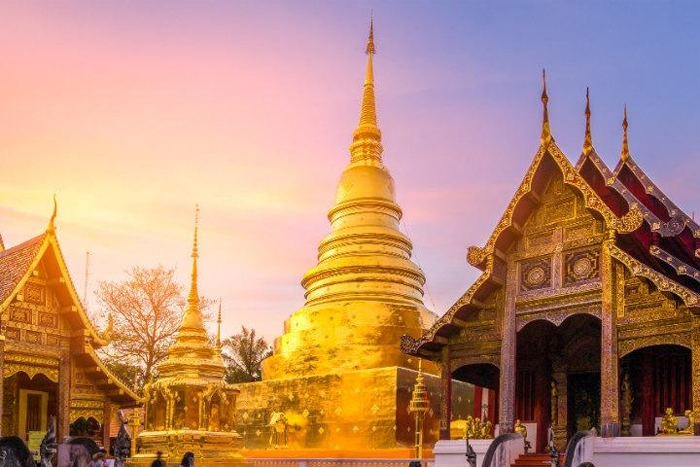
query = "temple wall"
{"x": 362, "y": 410}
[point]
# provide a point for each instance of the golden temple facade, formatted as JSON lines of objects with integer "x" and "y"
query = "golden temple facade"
{"x": 48, "y": 361}
{"x": 587, "y": 311}
{"x": 337, "y": 373}
{"x": 189, "y": 407}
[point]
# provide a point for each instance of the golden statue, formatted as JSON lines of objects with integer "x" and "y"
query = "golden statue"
{"x": 522, "y": 429}
{"x": 669, "y": 424}
{"x": 554, "y": 401}
{"x": 471, "y": 428}
{"x": 690, "y": 429}
{"x": 278, "y": 430}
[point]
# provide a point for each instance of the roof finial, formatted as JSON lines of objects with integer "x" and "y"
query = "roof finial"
{"x": 218, "y": 328}
{"x": 625, "y": 145}
{"x": 546, "y": 131}
{"x": 367, "y": 137}
{"x": 587, "y": 140}
{"x": 51, "y": 227}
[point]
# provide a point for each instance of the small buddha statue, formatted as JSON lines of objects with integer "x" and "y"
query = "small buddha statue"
{"x": 669, "y": 423}
{"x": 486, "y": 430}
{"x": 690, "y": 429}
{"x": 522, "y": 429}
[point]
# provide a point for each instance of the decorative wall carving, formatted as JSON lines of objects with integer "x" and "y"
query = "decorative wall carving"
{"x": 35, "y": 293}
{"x": 21, "y": 315}
{"x": 581, "y": 266}
{"x": 535, "y": 275}
{"x": 49, "y": 320}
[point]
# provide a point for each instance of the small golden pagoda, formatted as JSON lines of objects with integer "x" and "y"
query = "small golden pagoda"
{"x": 190, "y": 407}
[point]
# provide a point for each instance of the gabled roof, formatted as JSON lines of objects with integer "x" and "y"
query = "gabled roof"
{"x": 646, "y": 221}
{"x": 16, "y": 266}
{"x": 549, "y": 158}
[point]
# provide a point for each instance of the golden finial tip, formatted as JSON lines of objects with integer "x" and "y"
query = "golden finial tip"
{"x": 195, "y": 245}
{"x": 625, "y": 144}
{"x": 51, "y": 226}
{"x": 587, "y": 141}
{"x": 370, "y": 40}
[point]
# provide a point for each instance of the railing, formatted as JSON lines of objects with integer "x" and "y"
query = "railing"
{"x": 579, "y": 451}
{"x": 327, "y": 462}
{"x": 504, "y": 449}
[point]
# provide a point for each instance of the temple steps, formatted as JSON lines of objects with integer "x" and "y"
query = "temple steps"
{"x": 532, "y": 460}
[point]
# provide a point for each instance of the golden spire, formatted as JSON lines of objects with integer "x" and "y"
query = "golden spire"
{"x": 367, "y": 137}
{"x": 51, "y": 227}
{"x": 587, "y": 140}
{"x": 193, "y": 316}
{"x": 218, "y": 328}
{"x": 546, "y": 131}
{"x": 625, "y": 145}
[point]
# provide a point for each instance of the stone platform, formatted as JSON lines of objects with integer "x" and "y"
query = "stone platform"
{"x": 364, "y": 411}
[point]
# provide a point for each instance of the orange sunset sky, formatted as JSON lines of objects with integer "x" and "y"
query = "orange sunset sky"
{"x": 132, "y": 112}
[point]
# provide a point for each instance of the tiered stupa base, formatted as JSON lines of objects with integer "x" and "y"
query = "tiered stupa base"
{"x": 355, "y": 414}
{"x": 210, "y": 448}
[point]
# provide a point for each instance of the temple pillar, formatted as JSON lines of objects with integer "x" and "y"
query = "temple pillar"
{"x": 63, "y": 422}
{"x": 508, "y": 349}
{"x": 609, "y": 363}
{"x": 2, "y": 379}
{"x": 695, "y": 357}
{"x": 106, "y": 425}
{"x": 446, "y": 403}
{"x": 559, "y": 405}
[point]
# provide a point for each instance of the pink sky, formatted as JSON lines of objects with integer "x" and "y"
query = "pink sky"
{"x": 134, "y": 114}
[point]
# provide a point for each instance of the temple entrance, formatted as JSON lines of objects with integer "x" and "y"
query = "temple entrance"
{"x": 558, "y": 378}
{"x": 583, "y": 402}
{"x": 484, "y": 405}
{"x": 29, "y": 402}
{"x": 653, "y": 379}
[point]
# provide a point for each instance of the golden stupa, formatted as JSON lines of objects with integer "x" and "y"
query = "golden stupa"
{"x": 337, "y": 373}
{"x": 190, "y": 407}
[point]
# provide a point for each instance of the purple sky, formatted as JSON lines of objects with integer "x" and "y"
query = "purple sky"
{"x": 134, "y": 111}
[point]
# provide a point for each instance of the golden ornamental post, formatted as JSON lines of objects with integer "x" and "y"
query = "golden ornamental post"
{"x": 419, "y": 406}
{"x": 134, "y": 422}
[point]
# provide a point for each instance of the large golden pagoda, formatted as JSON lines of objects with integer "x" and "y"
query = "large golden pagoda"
{"x": 190, "y": 407}
{"x": 337, "y": 373}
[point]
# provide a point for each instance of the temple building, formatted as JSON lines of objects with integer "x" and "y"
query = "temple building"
{"x": 48, "y": 349}
{"x": 587, "y": 310}
{"x": 337, "y": 379}
{"x": 189, "y": 407}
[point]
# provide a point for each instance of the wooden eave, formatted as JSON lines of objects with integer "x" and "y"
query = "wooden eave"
{"x": 673, "y": 222}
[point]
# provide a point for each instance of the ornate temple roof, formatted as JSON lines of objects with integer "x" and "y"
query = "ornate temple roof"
{"x": 17, "y": 265}
{"x": 656, "y": 239}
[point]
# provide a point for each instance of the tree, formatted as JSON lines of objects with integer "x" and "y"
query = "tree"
{"x": 243, "y": 354}
{"x": 146, "y": 308}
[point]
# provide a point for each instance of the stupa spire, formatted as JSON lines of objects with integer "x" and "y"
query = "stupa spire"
{"x": 625, "y": 154}
{"x": 587, "y": 140}
{"x": 218, "y": 328}
{"x": 367, "y": 137}
{"x": 192, "y": 318}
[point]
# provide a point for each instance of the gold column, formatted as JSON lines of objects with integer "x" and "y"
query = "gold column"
{"x": 106, "y": 425}
{"x": 695, "y": 344}
{"x": 64, "y": 369}
{"x": 134, "y": 423}
{"x": 446, "y": 402}
{"x": 508, "y": 349}
{"x": 2, "y": 380}
{"x": 609, "y": 371}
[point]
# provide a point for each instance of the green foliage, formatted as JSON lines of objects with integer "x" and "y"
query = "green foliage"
{"x": 243, "y": 354}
